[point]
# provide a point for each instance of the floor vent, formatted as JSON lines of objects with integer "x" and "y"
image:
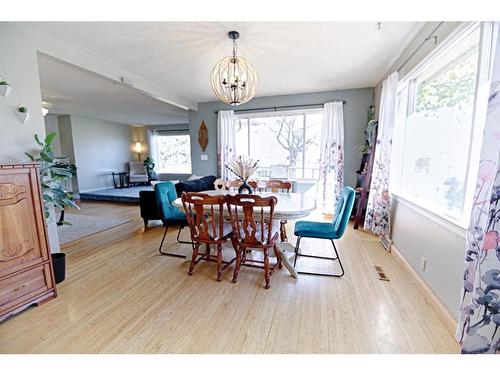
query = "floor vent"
{"x": 386, "y": 243}
{"x": 381, "y": 274}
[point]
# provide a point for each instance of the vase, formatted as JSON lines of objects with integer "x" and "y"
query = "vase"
{"x": 244, "y": 187}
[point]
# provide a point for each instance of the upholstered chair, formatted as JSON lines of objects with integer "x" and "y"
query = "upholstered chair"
{"x": 328, "y": 231}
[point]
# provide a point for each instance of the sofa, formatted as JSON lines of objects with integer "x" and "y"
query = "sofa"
{"x": 147, "y": 198}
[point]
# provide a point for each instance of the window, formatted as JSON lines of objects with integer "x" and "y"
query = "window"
{"x": 173, "y": 153}
{"x": 434, "y": 130}
{"x": 280, "y": 141}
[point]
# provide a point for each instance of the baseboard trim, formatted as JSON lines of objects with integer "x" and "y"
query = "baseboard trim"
{"x": 96, "y": 189}
{"x": 431, "y": 298}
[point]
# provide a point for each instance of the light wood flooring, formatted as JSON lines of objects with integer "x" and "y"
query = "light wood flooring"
{"x": 121, "y": 296}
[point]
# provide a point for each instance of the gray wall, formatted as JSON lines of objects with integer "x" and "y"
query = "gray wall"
{"x": 100, "y": 147}
{"x": 413, "y": 233}
{"x": 417, "y": 234}
{"x": 355, "y": 120}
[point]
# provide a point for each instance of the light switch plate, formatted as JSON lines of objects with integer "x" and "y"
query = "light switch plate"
{"x": 204, "y": 157}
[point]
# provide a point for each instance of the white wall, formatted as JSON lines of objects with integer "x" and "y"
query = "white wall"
{"x": 414, "y": 232}
{"x": 100, "y": 147}
{"x": 52, "y": 125}
{"x": 18, "y": 66}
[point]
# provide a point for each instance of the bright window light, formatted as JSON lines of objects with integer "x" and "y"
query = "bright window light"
{"x": 174, "y": 153}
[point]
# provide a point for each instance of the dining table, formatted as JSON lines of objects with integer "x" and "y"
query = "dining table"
{"x": 290, "y": 206}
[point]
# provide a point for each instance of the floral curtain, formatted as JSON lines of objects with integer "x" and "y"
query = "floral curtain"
{"x": 479, "y": 325}
{"x": 331, "y": 167}
{"x": 377, "y": 219}
{"x": 226, "y": 142}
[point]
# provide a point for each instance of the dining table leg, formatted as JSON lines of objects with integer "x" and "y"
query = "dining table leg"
{"x": 284, "y": 259}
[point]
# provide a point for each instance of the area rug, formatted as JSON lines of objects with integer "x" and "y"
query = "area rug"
{"x": 85, "y": 225}
{"x": 127, "y": 195}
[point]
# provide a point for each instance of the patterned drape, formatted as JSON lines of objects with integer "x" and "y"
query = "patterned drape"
{"x": 226, "y": 142}
{"x": 478, "y": 329}
{"x": 331, "y": 167}
{"x": 377, "y": 219}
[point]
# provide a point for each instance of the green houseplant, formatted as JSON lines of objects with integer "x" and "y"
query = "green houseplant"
{"x": 4, "y": 87}
{"x": 53, "y": 173}
{"x": 149, "y": 164}
{"x": 22, "y": 109}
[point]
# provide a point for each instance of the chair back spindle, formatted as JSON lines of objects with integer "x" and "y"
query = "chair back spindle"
{"x": 204, "y": 216}
{"x": 252, "y": 219}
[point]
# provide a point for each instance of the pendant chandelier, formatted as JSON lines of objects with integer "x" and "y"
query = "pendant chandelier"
{"x": 234, "y": 78}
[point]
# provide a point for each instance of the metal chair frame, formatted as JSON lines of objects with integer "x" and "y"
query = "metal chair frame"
{"x": 337, "y": 258}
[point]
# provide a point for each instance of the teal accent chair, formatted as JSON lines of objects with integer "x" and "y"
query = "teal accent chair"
{"x": 169, "y": 215}
{"x": 328, "y": 231}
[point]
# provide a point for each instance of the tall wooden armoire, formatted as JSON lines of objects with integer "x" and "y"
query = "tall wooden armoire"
{"x": 26, "y": 275}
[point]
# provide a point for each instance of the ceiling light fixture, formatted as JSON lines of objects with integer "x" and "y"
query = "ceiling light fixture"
{"x": 234, "y": 78}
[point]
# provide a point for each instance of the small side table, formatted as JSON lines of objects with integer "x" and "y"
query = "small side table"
{"x": 122, "y": 180}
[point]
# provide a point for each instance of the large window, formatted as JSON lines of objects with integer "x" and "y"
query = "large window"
{"x": 173, "y": 153}
{"x": 435, "y": 128}
{"x": 282, "y": 142}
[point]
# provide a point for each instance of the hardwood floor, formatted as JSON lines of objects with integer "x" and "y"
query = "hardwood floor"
{"x": 121, "y": 296}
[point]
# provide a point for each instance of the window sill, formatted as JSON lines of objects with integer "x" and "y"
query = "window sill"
{"x": 454, "y": 226}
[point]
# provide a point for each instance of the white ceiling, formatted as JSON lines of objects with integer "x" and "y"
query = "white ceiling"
{"x": 290, "y": 57}
{"x": 71, "y": 90}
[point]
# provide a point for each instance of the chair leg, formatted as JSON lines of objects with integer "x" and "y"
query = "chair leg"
{"x": 283, "y": 236}
{"x": 277, "y": 252}
{"x": 219, "y": 262}
{"x": 238, "y": 263}
{"x": 179, "y": 234}
{"x": 164, "y": 252}
{"x": 297, "y": 244}
{"x": 266, "y": 268}
{"x": 193, "y": 259}
{"x": 337, "y": 258}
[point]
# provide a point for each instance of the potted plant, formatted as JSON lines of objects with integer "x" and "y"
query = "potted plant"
{"x": 54, "y": 172}
{"x": 22, "y": 113}
{"x": 149, "y": 164}
{"x": 4, "y": 88}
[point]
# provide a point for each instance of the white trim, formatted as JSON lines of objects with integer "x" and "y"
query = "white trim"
{"x": 96, "y": 189}
{"x": 453, "y": 226}
{"x": 284, "y": 112}
{"x": 457, "y": 225}
{"x": 452, "y": 39}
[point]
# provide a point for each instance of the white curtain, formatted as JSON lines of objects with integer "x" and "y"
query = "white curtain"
{"x": 377, "y": 219}
{"x": 331, "y": 168}
{"x": 226, "y": 142}
{"x": 153, "y": 152}
{"x": 479, "y": 324}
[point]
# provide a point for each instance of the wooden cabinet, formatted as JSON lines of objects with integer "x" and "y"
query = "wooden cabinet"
{"x": 26, "y": 275}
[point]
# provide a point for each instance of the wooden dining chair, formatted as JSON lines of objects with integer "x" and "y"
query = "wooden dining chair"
{"x": 233, "y": 184}
{"x": 254, "y": 228}
{"x": 220, "y": 184}
{"x": 279, "y": 186}
{"x": 204, "y": 214}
